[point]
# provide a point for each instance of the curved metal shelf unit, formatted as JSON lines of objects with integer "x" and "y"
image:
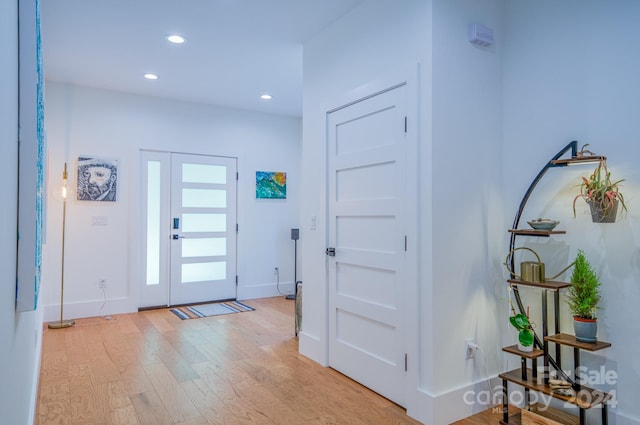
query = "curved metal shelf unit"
{"x": 554, "y": 162}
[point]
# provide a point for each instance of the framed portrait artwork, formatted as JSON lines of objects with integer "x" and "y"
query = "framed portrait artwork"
{"x": 97, "y": 179}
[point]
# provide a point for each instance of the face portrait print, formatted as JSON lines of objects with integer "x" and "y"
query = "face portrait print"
{"x": 97, "y": 179}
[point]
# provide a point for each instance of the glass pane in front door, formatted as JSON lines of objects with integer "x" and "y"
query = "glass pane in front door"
{"x": 154, "y": 282}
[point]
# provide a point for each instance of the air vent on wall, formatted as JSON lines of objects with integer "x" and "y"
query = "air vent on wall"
{"x": 480, "y": 35}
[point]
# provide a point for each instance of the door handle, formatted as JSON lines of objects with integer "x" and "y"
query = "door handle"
{"x": 176, "y": 237}
{"x": 331, "y": 252}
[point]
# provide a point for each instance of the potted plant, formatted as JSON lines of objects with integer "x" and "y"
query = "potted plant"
{"x": 583, "y": 297}
{"x": 602, "y": 194}
{"x": 525, "y": 331}
{"x": 524, "y": 327}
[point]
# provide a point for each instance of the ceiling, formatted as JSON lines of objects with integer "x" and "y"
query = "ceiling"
{"x": 235, "y": 51}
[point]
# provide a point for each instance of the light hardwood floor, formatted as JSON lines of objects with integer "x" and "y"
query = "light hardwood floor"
{"x": 151, "y": 368}
{"x": 491, "y": 416}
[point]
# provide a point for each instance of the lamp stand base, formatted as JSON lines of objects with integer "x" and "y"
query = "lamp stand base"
{"x": 61, "y": 324}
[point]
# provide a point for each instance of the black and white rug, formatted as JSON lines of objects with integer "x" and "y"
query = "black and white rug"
{"x": 212, "y": 309}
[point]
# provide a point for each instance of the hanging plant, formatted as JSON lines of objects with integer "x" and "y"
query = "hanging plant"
{"x": 601, "y": 193}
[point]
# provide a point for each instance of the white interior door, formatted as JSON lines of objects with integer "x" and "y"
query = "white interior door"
{"x": 366, "y": 162}
{"x": 190, "y": 229}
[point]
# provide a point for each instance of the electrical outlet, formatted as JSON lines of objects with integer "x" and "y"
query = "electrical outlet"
{"x": 102, "y": 283}
{"x": 470, "y": 348}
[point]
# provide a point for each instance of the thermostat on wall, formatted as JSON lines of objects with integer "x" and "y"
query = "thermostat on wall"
{"x": 480, "y": 35}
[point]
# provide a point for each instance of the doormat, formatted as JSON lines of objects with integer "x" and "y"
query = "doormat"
{"x": 213, "y": 309}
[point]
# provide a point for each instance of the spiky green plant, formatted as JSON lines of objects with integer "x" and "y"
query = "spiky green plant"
{"x": 599, "y": 189}
{"x": 583, "y": 295}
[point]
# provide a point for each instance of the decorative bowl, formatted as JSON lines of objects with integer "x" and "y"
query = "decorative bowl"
{"x": 543, "y": 224}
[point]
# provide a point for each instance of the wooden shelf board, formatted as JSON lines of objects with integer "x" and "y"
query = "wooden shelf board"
{"x": 578, "y": 160}
{"x": 513, "y": 349}
{"x": 550, "y": 284}
{"x": 546, "y": 415}
{"x": 534, "y": 232}
{"x": 571, "y": 341}
{"x": 549, "y": 415}
{"x": 586, "y": 398}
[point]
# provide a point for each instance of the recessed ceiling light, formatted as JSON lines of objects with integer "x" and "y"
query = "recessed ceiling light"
{"x": 266, "y": 97}
{"x": 175, "y": 38}
{"x": 150, "y": 76}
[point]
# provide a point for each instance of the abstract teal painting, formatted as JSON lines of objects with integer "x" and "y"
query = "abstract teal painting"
{"x": 31, "y": 158}
{"x": 271, "y": 185}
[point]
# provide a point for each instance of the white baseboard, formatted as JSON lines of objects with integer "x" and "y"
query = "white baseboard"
{"x": 620, "y": 418}
{"x": 90, "y": 309}
{"x": 445, "y": 408}
{"x": 267, "y": 290}
{"x": 310, "y": 346}
{"x": 37, "y": 365}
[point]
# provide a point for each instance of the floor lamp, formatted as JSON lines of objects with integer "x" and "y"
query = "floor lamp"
{"x": 63, "y": 323}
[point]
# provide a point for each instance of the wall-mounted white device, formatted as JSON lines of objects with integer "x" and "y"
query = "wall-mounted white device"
{"x": 480, "y": 35}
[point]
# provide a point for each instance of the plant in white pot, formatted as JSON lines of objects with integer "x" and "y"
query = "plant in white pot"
{"x": 525, "y": 331}
{"x": 583, "y": 298}
{"x": 523, "y": 325}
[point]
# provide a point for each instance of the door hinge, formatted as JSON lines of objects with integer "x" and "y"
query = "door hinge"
{"x": 405, "y": 361}
{"x": 405, "y": 124}
{"x": 236, "y": 280}
{"x": 237, "y": 176}
{"x": 237, "y": 227}
{"x": 405, "y": 243}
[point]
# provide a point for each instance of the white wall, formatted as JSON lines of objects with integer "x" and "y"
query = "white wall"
{"x": 460, "y": 181}
{"x": 20, "y": 333}
{"x": 83, "y": 121}
{"x": 342, "y": 63}
{"x": 468, "y": 229}
{"x": 372, "y": 43}
{"x": 571, "y": 73}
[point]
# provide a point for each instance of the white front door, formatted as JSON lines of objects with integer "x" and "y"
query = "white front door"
{"x": 367, "y": 213}
{"x": 189, "y": 215}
